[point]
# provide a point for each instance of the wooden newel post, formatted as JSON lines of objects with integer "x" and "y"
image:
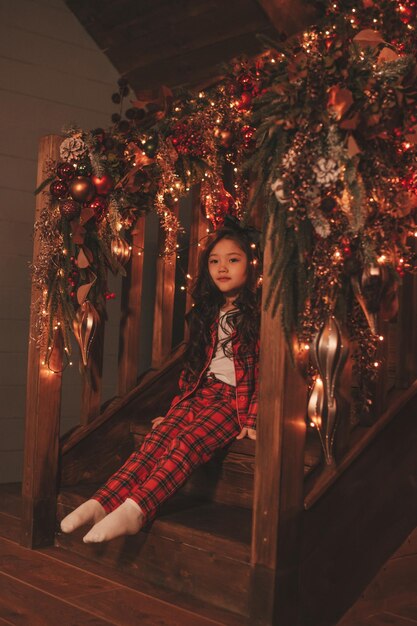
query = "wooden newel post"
{"x": 43, "y": 408}
{"x": 279, "y": 477}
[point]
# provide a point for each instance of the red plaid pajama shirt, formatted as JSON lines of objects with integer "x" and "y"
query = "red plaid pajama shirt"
{"x": 203, "y": 417}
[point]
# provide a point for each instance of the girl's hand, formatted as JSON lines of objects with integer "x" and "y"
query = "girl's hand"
{"x": 247, "y": 432}
{"x": 156, "y": 421}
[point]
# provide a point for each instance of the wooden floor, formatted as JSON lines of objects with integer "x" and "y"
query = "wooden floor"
{"x": 38, "y": 589}
{"x": 391, "y": 597}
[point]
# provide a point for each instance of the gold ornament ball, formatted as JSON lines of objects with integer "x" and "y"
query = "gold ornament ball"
{"x": 120, "y": 250}
{"x": 82, "y": 189}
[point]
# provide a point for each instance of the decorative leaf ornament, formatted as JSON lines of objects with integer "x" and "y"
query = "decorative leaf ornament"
{"x": 85, "y": 326}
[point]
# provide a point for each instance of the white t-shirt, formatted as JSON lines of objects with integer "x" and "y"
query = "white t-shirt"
{"x": 222, "y": 366}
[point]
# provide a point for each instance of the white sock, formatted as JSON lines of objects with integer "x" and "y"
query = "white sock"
{"x": 90, "y": 511}
{"x": 127, "y": 519}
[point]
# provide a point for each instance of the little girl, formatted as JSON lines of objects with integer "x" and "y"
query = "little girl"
{"x": 218, "y": 397}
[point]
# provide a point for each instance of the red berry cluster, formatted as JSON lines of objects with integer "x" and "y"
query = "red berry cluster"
{"x": 188, "y": 140}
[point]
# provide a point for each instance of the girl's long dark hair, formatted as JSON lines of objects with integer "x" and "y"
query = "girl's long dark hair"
{"x": 208, "y": 299}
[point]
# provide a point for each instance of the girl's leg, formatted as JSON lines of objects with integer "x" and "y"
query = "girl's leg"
{"x": 141, "y": 462}
{"x": 134, "y": 471}
{"x": 215, "y": 425}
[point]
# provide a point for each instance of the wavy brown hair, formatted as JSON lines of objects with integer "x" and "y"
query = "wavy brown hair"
{"x": 208, "y": 299}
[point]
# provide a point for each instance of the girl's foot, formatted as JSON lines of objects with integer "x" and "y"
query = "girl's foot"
{"x": 90, "y": 511}
{"x": 127, "y": 519}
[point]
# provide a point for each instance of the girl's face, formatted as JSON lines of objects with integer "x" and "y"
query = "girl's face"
{"x": 228, "y": 267}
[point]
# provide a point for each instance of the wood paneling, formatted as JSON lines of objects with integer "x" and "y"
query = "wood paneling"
{"x": 184, "y": 42}
{"x": 52, "y": 74}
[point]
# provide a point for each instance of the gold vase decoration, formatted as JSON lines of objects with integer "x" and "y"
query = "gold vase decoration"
{"x": 329, "y": 352}
{"x": 120, "y": 249}
{"x": 85, "y": 326}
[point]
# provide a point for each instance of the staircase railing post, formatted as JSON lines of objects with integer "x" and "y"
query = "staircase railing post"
{"x": 43, "y": 407}
{"x": 279, "y": 472}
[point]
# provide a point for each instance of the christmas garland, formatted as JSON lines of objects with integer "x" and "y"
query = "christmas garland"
{"x": 335, "y": 165}
{"x": 325, "y": 127}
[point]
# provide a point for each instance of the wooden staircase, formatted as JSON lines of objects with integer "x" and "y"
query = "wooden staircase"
{"x": 265, "y": 534}
{"x": 200, "y": 543}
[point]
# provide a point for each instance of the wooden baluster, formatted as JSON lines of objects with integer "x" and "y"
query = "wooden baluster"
{"x": 381, "y": 383}
{"x": 344, "y": 408}
{"x": 164, "y": 302}
{"x": 279, "y": 477}
{"x": 43, "y": 407}
{"x": 92, "y": 383}
{"x": 198, "y": 230}
{"x": 131, "y": 312}
{"x": 407, "y": 327}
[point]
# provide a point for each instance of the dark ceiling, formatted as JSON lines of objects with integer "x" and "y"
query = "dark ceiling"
{"x": 184, "y": 42}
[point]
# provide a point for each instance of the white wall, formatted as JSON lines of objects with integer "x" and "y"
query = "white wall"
{"x": 51, "y": 73}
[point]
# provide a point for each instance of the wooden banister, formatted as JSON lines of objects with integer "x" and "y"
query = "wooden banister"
{"x": 43, "y": 407}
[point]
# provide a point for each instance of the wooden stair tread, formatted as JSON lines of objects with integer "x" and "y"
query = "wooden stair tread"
{"x": 184, "y": 519}
{"x": 194, "y": 547}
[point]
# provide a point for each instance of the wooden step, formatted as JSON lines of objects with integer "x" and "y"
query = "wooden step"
{"x": 53, "y": 586}
{"x": 194, "y": 547}
{"x": 228, "y": 477}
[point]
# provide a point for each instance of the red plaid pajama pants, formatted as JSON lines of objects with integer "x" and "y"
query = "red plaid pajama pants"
{"x": 190, "y": 434}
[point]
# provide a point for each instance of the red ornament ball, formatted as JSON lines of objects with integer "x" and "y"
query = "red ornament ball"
{"x": 58, "y": 189}
{"x": 103, "y": 184}
{"x": 246, "y": 82}
{"x": 99, "y": 206}
{"x": 245, "y": 101}
{"x": 65, "y": 171}
{"x": 69, "y": 209}
{"x": 81, "y": 189}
